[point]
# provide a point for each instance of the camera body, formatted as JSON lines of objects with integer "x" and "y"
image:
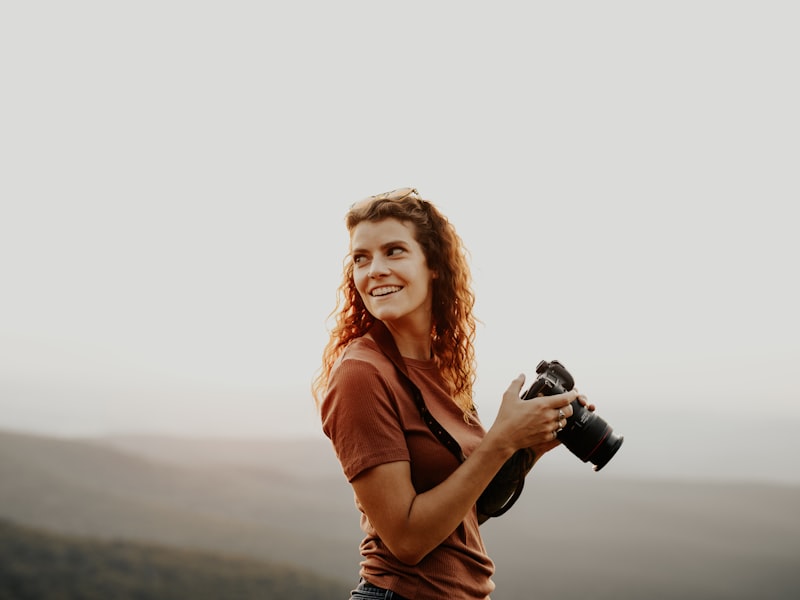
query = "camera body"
{"x": 586, "y": 435}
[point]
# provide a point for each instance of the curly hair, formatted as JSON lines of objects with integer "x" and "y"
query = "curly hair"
{"x": 453, "y": 327}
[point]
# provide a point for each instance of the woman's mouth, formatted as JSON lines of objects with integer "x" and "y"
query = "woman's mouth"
{"x": 385, "y": 290}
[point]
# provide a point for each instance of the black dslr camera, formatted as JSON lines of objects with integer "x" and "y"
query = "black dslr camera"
{"x": 586, "y": 435}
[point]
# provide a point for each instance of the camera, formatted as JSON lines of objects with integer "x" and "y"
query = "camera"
{"x": 586, "y": 435}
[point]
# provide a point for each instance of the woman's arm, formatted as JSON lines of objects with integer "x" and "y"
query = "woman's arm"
{"x": 411, "y": 524}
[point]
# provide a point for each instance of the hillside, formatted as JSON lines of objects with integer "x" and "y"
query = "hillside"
{"x": 86, "y": 488}
{"x": 577, "y": 535}
{"x": 35, "y": 565}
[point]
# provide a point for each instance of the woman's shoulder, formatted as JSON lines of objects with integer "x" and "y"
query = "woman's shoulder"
{"x": 363, "y": 363}
{"x": 364, "y": 349}
{"x": 362, "y": 355}
{"x": 361, "y": 369}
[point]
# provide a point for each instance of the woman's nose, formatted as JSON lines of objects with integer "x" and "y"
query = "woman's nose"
{"x": 378, "y": 268}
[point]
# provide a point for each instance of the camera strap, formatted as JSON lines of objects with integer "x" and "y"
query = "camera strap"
{"x": 383, "y": 337}
{"x": 506, "y": 487}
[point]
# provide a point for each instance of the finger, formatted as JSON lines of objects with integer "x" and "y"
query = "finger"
{"x": 567, "y": 411}
{"x": 516, "y": 384}
{"x": 562, "y": 400}
{"x": 585, "y": 402}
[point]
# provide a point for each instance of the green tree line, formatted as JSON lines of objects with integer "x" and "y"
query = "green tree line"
{"x": 39, "y": 565}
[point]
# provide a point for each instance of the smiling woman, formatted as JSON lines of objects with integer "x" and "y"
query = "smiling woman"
{"x": 395, "y": 397}
{"x": 393, "y": 279}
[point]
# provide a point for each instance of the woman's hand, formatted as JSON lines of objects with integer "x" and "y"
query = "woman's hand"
{"x": 533, "y": 423}
{"x": 584, "y": 401}
{"x": 412, "y": 524}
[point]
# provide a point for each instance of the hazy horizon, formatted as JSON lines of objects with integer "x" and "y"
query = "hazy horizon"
{"x": 653, "y": 449}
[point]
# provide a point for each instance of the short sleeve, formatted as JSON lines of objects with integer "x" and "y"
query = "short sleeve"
{"x": 360, "y": 416}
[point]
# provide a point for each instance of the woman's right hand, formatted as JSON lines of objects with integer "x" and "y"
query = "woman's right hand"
{"x": 531, "y": 423}
{"x": 413, "y": 523}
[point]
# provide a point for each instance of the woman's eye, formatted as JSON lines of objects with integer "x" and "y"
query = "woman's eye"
{"x": 395, "y": 250}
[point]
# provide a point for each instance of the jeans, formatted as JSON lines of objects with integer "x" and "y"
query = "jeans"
{"x": 367, "y": 591}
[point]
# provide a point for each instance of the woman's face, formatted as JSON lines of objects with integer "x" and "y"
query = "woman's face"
{"x": 391, "y": 273}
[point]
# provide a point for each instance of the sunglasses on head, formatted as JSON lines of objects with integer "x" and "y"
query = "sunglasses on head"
{"x": 398, "y": 194}
{"x": 393, "y": 196}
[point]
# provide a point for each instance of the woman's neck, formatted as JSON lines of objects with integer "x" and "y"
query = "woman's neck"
{"x": 412, "y": 344}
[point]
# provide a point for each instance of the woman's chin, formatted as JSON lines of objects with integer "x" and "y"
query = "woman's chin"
{"x": 387, "y": 316}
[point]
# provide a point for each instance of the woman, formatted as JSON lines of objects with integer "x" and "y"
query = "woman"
{"x": 398, "y": 369}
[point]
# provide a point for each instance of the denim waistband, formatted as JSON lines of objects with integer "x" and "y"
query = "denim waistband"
{"x": 366, "y": 591}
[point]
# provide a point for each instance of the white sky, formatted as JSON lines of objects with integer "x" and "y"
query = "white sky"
{"x": 174, "y": 176}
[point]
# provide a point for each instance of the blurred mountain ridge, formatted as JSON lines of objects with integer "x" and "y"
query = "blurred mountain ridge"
{"x": 286, "y": 501}
{"x": 41, "y": 565}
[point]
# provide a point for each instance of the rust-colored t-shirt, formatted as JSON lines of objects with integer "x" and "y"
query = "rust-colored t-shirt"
{"x": 371, "y": 419}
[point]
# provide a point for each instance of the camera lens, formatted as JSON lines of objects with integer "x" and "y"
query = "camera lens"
{"x": 586, "y": 435}
{"x": 589, "y": 437}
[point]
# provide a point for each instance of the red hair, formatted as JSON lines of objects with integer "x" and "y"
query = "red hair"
{"x": 453, "y": 327}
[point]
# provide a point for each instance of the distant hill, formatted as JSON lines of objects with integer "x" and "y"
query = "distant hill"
{"x": 310, "y": 458}
{"x": 35, "y": 565}
{"x": 577, "y": 535}
{"x": 88, "y": 488}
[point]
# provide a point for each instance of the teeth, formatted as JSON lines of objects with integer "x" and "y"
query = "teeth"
{"x": 382, "y": 291}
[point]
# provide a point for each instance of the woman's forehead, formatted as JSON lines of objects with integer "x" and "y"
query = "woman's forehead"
{"x": 371, "y": 233}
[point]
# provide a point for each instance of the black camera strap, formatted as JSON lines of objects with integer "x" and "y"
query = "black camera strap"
{"x": 506, "y": 487}
{"x": 383, "y": 337}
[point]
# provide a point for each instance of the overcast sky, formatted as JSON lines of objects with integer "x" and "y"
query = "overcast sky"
{"x": 175, "y": 177}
